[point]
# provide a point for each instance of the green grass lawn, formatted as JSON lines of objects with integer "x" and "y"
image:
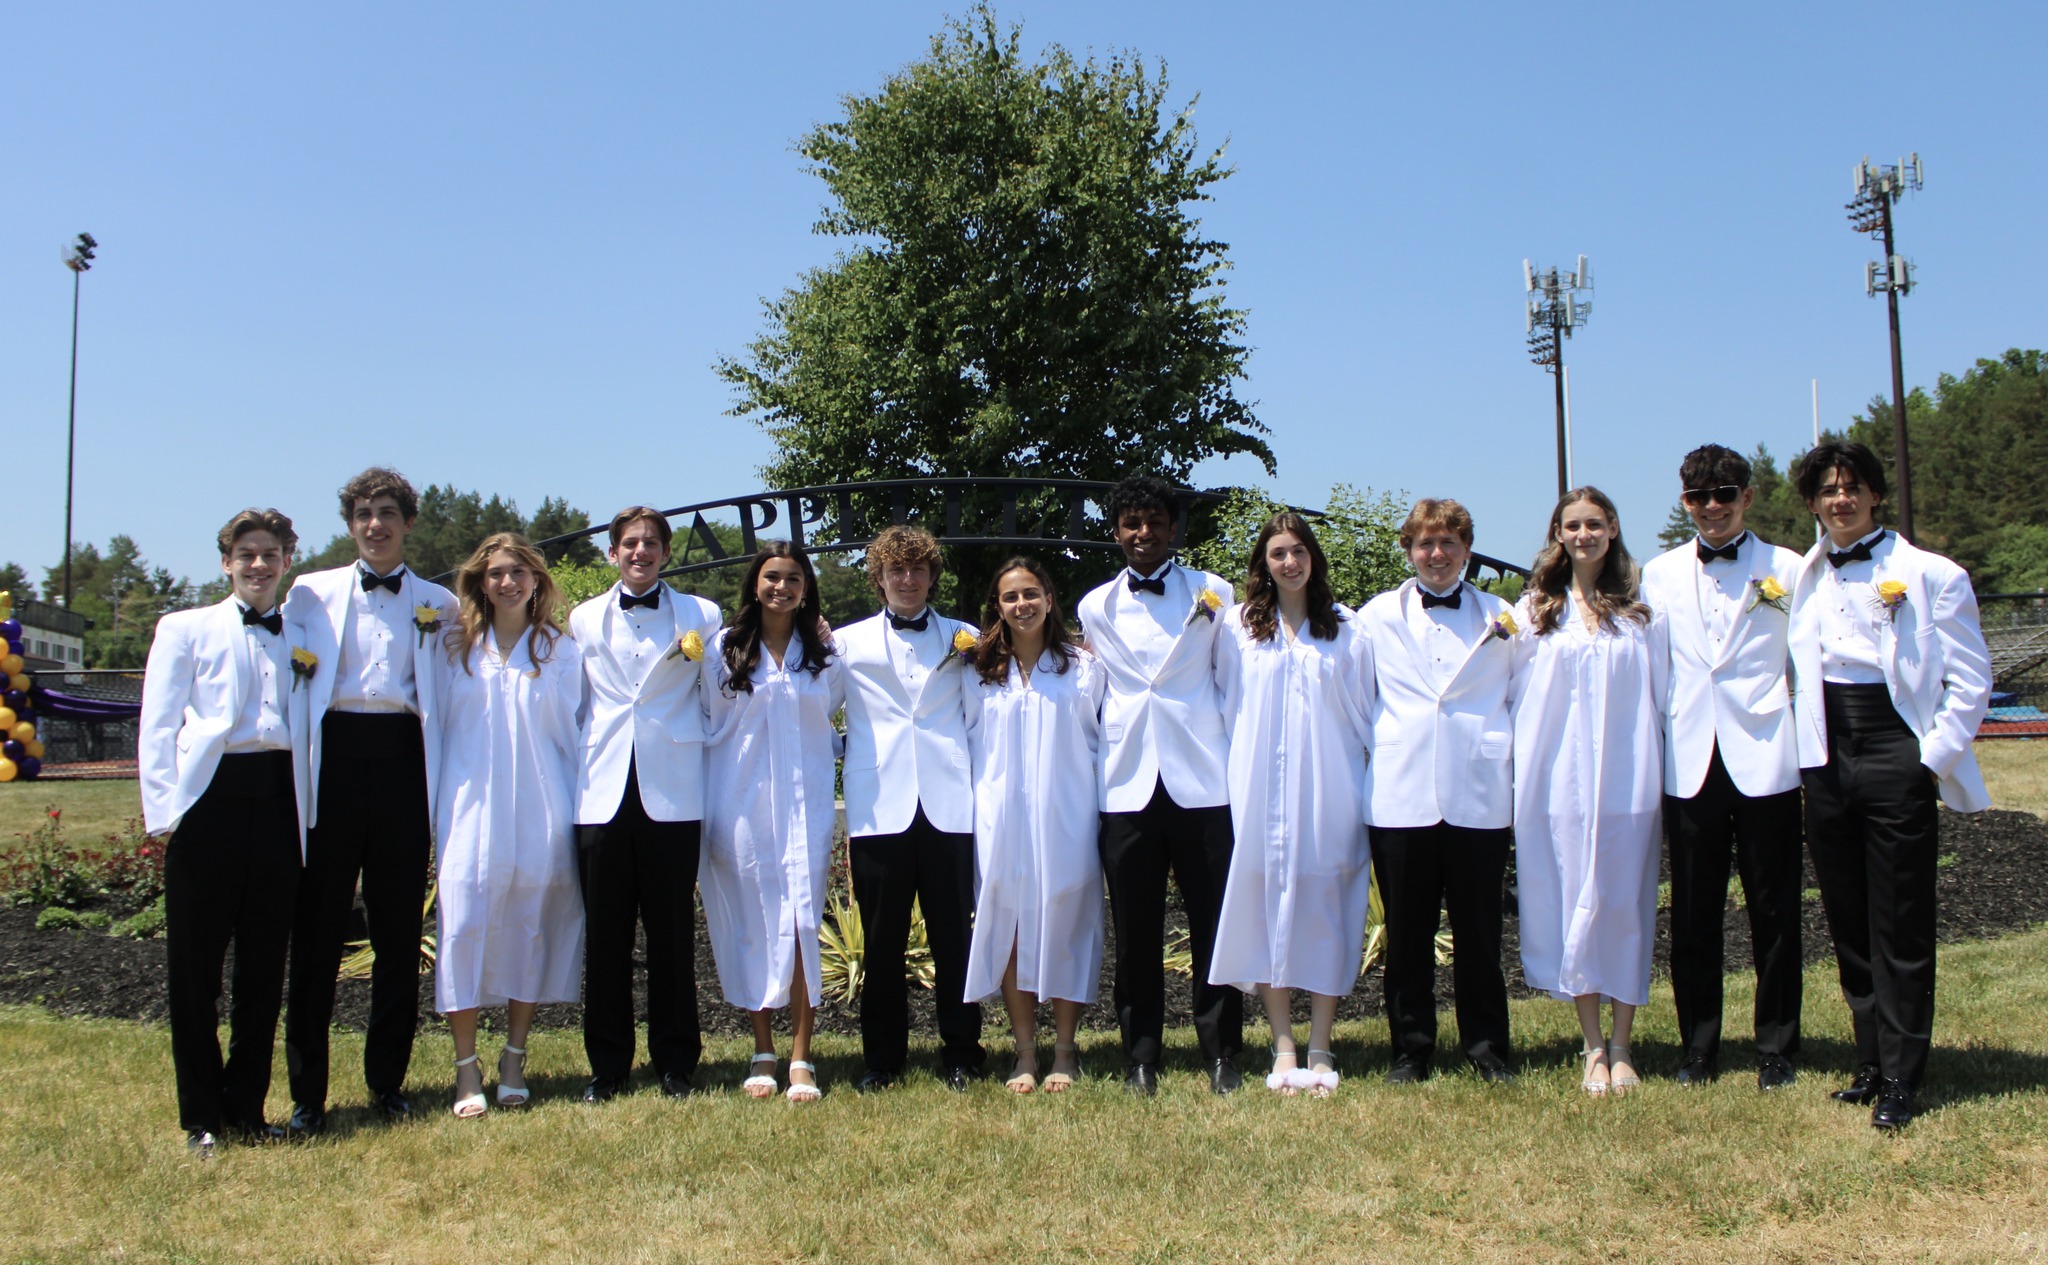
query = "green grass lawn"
{"x": 92, "y": 1166}
{"x": 92, "y": 810}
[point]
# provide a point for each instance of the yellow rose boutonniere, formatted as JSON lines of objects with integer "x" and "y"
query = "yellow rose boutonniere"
{"x": 426, "y": 619}
{"x": 965, "y": 644}
{"x": 1503, "y": 627}
{"x": 1207, "y": 603}
{"x": 1891, "y": 595}
{"x": 1766, "y": 592}
{"x": 303, "y": 663}
{"x": 690, "y": 645}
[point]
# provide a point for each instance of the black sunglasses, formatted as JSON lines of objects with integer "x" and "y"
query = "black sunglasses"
{"x": 1726, "y": 494}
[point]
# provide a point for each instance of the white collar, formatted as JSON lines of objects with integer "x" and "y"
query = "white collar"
{"x": 1160, "y": 574}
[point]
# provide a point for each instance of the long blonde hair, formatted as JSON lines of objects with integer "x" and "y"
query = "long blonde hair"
{"x": 1614, "y": 590}
{"x": 541, "y": 609}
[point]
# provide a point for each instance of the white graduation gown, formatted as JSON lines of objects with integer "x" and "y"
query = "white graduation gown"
{"x": 768, "y": 811}
{"x": 510, "y": 907}
{"x": 1589, "y": 794}
{"x": 1295, "y": 905}
{"x": 1037, "y": 871}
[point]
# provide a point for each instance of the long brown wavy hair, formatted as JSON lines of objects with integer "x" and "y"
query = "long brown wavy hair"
{"x": 1614, "y": 590}
{"x": 992, "y": 656}
{"x": 743, "y": 639}
{"x": 1262, "y": 595}
{"x": 542, "y": 609}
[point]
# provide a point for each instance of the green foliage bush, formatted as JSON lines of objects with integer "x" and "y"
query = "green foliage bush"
{"x": 1359, "y": 531}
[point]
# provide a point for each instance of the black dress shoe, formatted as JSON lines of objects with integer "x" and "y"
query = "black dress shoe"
{"x": 393, "y": 1105}
{"x": 1697, "y": 1069}
{"x": 875, "y": 1082}
{"x": 1894, "y": 1110}
{"x": 261, "y": 1133}
{"x": 1408, "y": 1069}
{"x": 199, "y": 1143}
{"x": 1142, "y": 1079}
{"x": 306, "y": 1123}
{"x": 1491, "y": 1068}
{"x": 676, "y": 1085}
{"x": 1224, "y": 1078}
{"x": 1774, "y": 1071}
{"x": 960, "y": 1076}
{"x": 1862, "y": 1090}
{"x": 602, "y": 1089}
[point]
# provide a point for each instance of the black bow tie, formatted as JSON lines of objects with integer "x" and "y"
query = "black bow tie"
{"x": 273, "y": 623}
{"x": 1452, "y": 599}
{"x": 651, "y": 599}
{"x": 1726, "y": 553}
{"x": 1139, "y": 584}
{"x": 1859, "y": 552}
{"x": 390, "y": 582}
{"x": 901, "y": 624}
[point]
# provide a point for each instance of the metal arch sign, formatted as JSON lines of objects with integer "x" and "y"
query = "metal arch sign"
{"x": 843, "y": 517}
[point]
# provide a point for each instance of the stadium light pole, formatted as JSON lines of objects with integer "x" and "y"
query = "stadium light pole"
{"x": 1551, "y": 312}
{"x": 78, "y": 258}
{"x": 1877, "y": 189}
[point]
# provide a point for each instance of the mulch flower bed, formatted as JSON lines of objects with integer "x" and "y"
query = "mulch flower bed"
{"x": 1994, "y": 880}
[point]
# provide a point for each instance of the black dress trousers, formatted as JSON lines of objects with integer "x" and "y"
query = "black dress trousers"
{"x": 936, "y": 870}
{"x": 1871, "y": 824}
{"x": 231, "y": 875}
{"x": 1761, "y": 836}
{"x": 1424, "y": 870}
{"x": 1138, "y": 850}
{"x": 638, "y": 873}
{"x": 374, "y": 826}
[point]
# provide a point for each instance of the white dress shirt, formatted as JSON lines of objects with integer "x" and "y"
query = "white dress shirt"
{"x": 1849, "y": 611}
{"x": 914, "y": 655}
{"x": 1445, "y": 636}
{"x": 264, "y": 722}
{"x": 375, "y": 673}
{"x": 1152, "y": 633}
{"x": 638, "y": 641}
{"x": 1724, "y": 591}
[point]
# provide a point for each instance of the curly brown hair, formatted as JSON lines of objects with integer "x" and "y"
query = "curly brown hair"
{"x": 900, "y": 546}
{"x": 375, "y": 482}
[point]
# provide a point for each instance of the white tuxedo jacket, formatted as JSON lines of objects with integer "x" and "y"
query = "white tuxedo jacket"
{"x": 1165, "y": 726}
{"x": 1934, "y": 658}
{"x": 903, "y": 751}
{"x": 1737, "y": 695}
{"x": 1436, "y": 756}
{"x": 658, "y": 730}
{"x": 320, "y": 604}
{"x": 200, "y": 671}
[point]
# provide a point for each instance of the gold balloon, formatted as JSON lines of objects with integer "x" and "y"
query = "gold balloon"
{"x": 11, "y": 664}
{"x": 5, "y": 649}
{"x": 19, "y": 681}
{"x": 23, "y": 732}
{"x": 7, "y": 719}
{"x": 35, "y": 747}
{"x": 7, "y": 769}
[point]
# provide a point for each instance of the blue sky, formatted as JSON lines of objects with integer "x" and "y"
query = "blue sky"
{"x": 500, "y": 246}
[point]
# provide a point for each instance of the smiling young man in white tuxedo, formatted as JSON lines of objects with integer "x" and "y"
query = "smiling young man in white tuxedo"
{"x": 375, "y": 748}
{"x": 910, "y": 806}
{"x": 1731, "y": 764}
{"x": 222, "y": 755}
{"x": 640, "y": 807}
{"x": 1438, "y": 791}
{"x": 1893, "y": 679}
{"x": 1165, "y": 803}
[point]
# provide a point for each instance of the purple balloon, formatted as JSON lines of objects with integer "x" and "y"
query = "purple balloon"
{"x": 15, "y": 700}
{"x": 11, "y": 629}
{"x": 25, "y": 713}
{"x": 13, "y": 750}
{"x": 28, "y": 766}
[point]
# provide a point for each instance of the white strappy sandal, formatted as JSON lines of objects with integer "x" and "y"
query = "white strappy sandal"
{"x": 469, "y": 1106}
{"x": 803, "y": 1093}
{"x": 760, "y": 1086}
{"x": 512, "y": 1095}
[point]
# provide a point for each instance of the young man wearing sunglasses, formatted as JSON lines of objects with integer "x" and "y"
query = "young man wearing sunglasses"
{"x": 1731, "y": 764}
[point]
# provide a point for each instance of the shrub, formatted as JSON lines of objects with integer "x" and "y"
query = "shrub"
{"x": 147, "y": 925}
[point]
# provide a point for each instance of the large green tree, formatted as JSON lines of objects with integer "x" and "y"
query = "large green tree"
{"x": 122, "y": 595}
{"x": 1029, "y": 292}
{"x": 1777, "y": 514}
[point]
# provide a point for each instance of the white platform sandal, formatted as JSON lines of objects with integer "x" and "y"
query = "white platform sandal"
{"x": 803, "y": 1093}
{"x": 760, "y": 1086}
{"x": 512, "y": 1095}
{"x": 469, "y": 1106}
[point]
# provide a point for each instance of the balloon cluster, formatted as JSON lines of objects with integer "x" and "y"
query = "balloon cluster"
{"x": 21, "y": 754}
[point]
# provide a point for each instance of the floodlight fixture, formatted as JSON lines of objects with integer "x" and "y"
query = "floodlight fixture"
{"x": 1553, "y": 311}
{"x": 77, "y": 257}
{"x": 1878, "y": 189}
